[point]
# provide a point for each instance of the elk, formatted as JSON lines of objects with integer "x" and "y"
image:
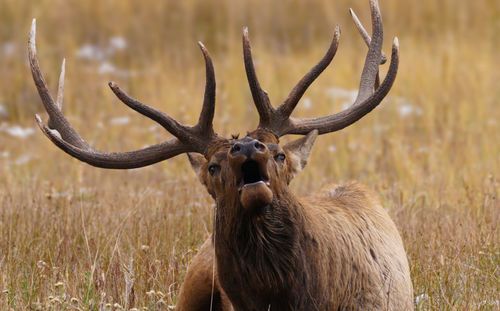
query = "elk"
{"x": 337, "y": 249}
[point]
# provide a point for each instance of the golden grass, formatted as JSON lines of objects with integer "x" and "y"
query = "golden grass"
{"x": 73, "y": 236}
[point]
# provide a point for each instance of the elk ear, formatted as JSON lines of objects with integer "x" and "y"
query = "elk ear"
{"x": 197, "y": 160}
{"x": 298, "y": 151}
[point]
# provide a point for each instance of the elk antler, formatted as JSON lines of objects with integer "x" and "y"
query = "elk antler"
{"x": 270, "y": 117}
{"x": 366, "y": 37}
{"x": 279, "y": 122}
{"x": 62, "y": 134}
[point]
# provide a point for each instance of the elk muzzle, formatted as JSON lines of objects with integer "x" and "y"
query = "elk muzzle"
{"x": 248, "y": 159}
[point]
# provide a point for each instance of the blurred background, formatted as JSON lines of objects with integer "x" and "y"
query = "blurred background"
{"x": 73, "y": 236}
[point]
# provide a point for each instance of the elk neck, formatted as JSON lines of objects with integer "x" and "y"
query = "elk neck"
{"x": 264, "y": 251}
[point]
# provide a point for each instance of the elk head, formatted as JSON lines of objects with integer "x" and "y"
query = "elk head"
{"x": 249, "y": 171}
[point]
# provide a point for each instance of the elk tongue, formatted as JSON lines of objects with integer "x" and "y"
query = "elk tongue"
{"x": 255, "y": 195}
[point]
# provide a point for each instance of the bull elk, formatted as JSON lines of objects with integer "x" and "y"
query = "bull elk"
{"x": 270, "y": 250}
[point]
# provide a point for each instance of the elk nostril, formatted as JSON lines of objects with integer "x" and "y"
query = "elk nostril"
{"x": 235, "y": 148}
{"x": 259, "y": 146}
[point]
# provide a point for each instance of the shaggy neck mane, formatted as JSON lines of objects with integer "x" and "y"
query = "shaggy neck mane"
{"x": 263, "y": 251}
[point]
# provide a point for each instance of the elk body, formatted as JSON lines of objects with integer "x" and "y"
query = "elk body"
{"x": 270, "y": 250}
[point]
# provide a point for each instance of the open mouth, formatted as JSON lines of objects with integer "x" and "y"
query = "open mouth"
{"x": 253, "y": 174}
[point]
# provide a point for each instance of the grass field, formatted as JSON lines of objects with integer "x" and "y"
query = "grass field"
{"x": 77, "y": 237}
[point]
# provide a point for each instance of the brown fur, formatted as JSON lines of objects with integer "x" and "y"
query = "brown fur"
{"x": 334, "y": 250}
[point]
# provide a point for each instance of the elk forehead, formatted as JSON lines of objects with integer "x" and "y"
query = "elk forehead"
{"x": 264, "y": 136}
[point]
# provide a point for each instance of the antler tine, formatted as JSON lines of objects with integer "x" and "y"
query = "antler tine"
{"x": 60, "y": 88}
{"x": 347, "y": 117}
{"x": 56, "y": 118}
{"x": 373, "y": 57}
{"x": 260, "y": 97}
{"x": 182, "y": 132}
{"x": 205, "y": 122}
{"x": 366, "y": 37}
{"x": 60, "y": 132}
{"x": 286, "y": 109}
{"x": 167, "y": 122}
{"x": 364, "y": 34}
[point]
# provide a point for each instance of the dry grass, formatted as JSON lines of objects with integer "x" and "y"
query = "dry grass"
{"x": 73, "y": 236}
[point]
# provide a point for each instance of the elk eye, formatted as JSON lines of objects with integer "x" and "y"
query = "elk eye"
{"x": 213, "y": 168}
{"x": 280, "y": 157}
